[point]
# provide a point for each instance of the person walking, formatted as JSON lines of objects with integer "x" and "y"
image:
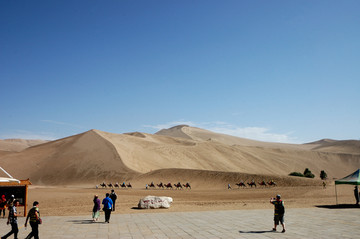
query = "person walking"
{"x": 356, "y": 194}
{"x": 279, "y": 211}
{"x": 113, "y": 197}
{"x": 34, "y": 216}
{"x": 108, "y": 203}
{"x": 12, "y": 220}
{"x": 96, "y": 208}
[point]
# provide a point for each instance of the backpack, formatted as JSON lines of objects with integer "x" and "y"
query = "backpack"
{"x": 280, "y": 208}
{"x": 113, "y": 196}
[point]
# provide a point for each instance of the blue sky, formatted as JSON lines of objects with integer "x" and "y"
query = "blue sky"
{"x": 283, "y": 71}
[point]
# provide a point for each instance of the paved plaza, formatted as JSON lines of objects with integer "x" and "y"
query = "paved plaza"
{"x": 300, "y": 223}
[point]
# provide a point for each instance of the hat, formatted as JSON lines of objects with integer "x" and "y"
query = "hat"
{"x": 278, "y": 196}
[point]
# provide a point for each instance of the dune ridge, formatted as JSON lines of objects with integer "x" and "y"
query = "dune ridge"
{"x": 95, "y": 156}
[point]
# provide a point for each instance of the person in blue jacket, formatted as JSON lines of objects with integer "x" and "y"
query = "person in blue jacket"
{"x": 108, "y": 204}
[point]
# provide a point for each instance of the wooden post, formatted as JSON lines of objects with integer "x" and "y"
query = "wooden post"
{"x": 26, "y": 199}
{"x": 336, "y": 195}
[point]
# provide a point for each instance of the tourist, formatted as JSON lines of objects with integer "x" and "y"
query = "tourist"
{"x": 2, "y": 205}
{"x": 34, "y": 216}
{"x": 356, "y": 194}
{"x": 108, "y": 204}
{"x": 96, "y": 208}
{"x": 113, "y": 197}
{"x": 12, "y": 220}
{"x": 279, "y": 211}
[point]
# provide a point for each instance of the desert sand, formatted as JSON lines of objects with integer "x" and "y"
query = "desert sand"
{"x": 63, "y": 201}
{"x": 64, "y": 172}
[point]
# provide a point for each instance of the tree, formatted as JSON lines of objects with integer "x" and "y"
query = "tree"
{"x": 308, "y": 173}
{"x": 323, "y": 175}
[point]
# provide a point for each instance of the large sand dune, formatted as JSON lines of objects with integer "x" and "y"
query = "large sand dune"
{"x": 181, "y": 153}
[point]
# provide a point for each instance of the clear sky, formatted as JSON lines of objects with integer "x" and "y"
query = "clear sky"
{"x": 284, "y": 71}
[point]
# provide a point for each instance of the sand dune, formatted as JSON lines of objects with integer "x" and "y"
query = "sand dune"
{"x": 192, "y": 154}
{"x": 335, "y": 146}
{"x": 16, "y": 145}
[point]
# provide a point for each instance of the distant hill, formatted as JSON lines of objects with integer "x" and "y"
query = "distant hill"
{"x": 16, "y": 145}
{"x": 94, "y": 156}
{"x": 337, "y": 146}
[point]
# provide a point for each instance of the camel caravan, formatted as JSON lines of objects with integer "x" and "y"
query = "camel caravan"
{"x": 115, "y": 185}
{"x": 241, "y": 184}
{"x": 161, "y": 185}
{"x": 151, "y": 185}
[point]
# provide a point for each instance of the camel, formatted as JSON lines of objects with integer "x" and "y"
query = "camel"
{"x": 187, "y": 185}
{"x": 129, "y": 185}
{"x": 241, "y": 184}
{"x": 117, "y": 185}
{"x": 168, "y": 185}
{"x": 161, "y": 185}
{"x": 103, "y": 185}
{"x": 272, "y": 183}
{"x": 263, "y": 183}
{"x": 252, "y": 183}
{"x": 152, "y": 185}
{"x": 178, "y": 186}
{"x": 110, "y": 185}
{"x": 123, "y": 185}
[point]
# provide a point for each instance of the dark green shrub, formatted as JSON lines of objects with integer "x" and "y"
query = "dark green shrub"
{"x": 298, "y": 174}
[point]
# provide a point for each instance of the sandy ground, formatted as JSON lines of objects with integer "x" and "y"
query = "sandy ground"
{"x": 63, "y": 201}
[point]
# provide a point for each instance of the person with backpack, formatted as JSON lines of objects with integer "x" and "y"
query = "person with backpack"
{"x": 279, "y": 211}
{"x": 108, "y": 204}
{"x": 113, "y": 197}
{"x": 34, "y": 216}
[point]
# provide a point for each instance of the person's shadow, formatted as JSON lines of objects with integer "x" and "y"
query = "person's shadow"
{"x": 339, "y": 206}
{"x": 82, "y": 221}
{"x": 255, "y": 231}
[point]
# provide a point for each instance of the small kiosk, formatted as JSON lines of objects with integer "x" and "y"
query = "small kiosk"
{"x": 19, "y": 188}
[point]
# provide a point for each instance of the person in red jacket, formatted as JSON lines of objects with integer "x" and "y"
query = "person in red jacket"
{"x": 2, "y": 205}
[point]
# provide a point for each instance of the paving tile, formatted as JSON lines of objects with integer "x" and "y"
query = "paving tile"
{"x": 300, "y": 223}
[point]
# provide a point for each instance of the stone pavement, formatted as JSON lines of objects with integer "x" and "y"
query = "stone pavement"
{"x": 300, "y": 223}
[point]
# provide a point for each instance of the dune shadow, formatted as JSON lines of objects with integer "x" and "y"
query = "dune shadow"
{"x": 338, "y": 206}
{"x": 255, "y": 231}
